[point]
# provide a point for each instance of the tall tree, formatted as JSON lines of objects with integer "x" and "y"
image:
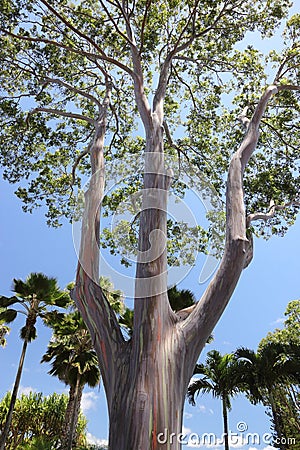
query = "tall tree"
{"x": 275, "y": 365}
{"x": 220, "y": 377}
{"x": 74, "y": 361}
{"x": 36, "y": 294}
{"x": 97, "y": 73}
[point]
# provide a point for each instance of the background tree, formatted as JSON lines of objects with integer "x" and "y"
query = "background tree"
{"x": 179, "y": 299}
{"x": 74, "y": 362}
{"x": 287, "y": 396}
{"x": 220, "y": 377}
{"x": 275, "y": 366}
{"x": 73, "y": 358}
{"x": 39, "y": 420}
{"x": 36, "y": 294}
{"x": 95, "y": 75}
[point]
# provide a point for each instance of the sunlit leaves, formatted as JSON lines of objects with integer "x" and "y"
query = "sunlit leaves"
{"x": 53, "y": 59}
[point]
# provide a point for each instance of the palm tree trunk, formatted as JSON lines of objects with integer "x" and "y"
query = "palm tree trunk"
{"x": 225, "y": 421}
{"x": 71, "y": 415}
{"x": 75, "y": 411}
{"x": 276, "y": 420}
{"x": 14, "y": 394}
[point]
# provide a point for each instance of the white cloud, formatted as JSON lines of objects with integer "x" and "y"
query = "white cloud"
{"x": 186, "y": 430}
{"x": 277, "y": 321}
{"x": 187, "y": 415}
{"x": 25, "y": 390}
{"x": 269, "y": 447}
{"x": 204, "y": 409}
{"x": 88, "y": 401}
{"x": 93, "y": 440}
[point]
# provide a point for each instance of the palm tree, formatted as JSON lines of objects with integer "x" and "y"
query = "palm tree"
{"x": 179, "y": 299}
{"x": 74, "y": 362}
{"x": 262, "y": 372}
{"x": 35, "y": 295}
{"x": 219, "y": 377}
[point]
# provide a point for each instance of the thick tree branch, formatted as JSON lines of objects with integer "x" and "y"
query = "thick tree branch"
{"x": 138, "y": 80}
{"x": 178, "y": 48}
{"x": 210, "y": 308}
{"x": 89, "y": 297}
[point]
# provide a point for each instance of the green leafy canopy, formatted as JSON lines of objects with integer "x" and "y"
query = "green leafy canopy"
{"x": 56, "y": 59}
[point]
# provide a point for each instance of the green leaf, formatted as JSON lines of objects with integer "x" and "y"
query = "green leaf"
{"x": 8, "y": 316}
{"x": 7, "y": 301}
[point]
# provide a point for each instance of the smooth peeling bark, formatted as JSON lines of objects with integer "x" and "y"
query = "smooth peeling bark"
{"x": 147, "y": 409}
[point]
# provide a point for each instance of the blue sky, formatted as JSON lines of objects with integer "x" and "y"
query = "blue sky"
{"x": 257, "y": 306}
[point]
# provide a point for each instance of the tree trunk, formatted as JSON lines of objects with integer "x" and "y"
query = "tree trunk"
{"x": 71, "y": 416}
{"x": 14, "y": 394}
{"x": 276, "y": 420}
{"x": 146, "y": 378}
{"x": 75, "y": 412}
{"x": 146, "y": 404}
{"x": 225, "y": 421}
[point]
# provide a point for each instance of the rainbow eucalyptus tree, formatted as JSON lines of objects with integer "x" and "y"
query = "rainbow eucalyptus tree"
{"x": 160, "y": 96}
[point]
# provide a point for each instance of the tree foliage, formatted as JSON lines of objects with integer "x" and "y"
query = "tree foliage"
{"x": 38, "y": 417}
{"x": 36, "y": 294}
{"x": 267, "y": 376}
{"x": 287, "y": 397}
{"x": 58, "y": 58}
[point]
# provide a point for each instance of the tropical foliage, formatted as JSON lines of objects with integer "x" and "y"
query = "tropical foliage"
{"x": 38, "y": 420}
{"x": 36, "y": 295}
{"x": 73, "y": 358}
{"x": 221, "y": 378}
{"x": 287, "y": 397}
{"x": 74, "y": 362}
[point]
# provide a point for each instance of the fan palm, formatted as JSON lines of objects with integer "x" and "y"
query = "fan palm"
{"x": 74, "y": 362}
{"x": 35, "y": 295}
{"x": 178, "y": 298}
{"x": 275, "y": 364}
{"x": 219, "y": 377}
